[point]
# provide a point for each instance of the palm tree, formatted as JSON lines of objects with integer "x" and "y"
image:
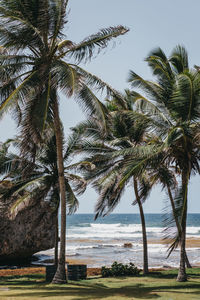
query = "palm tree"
{"x": 159, "y": 173}
{"x": 172, "y": 104}
{"x": 40, "y": 63}
{"x": 43, "y": 180}
{"x": 132, "y": 132}
{"x": 121, "y": 133}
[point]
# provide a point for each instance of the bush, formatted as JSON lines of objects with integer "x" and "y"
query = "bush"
{"x": 119, "y": 269}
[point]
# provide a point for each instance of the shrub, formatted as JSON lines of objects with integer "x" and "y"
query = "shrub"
{"x": 119, "y": 269}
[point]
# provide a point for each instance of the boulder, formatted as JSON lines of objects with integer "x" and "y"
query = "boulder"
{"x": 128, "y": 245}
{"x": 26, "y": 229}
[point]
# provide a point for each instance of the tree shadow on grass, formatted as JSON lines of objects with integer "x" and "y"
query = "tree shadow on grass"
{"x": 33, "y": 279}
{"x": 87, "y": 290}
{"x": 172, "y": 274}
{"x": 97, "y": 292}
{"x": 100, "y": 291}
{"x": 161, "y": 275}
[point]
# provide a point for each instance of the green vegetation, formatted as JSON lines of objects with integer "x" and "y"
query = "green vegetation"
{"x": 157, "y": 285}
{"x": 119, "y": 269}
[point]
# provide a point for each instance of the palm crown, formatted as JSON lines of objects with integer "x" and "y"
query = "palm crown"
{"x": 39, "y": 60}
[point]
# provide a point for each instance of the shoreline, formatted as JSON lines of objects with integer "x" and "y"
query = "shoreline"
{"x": 191, "y": 242}
{"x": 96, "y": 260}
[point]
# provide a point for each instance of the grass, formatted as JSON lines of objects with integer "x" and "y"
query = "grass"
{"x": 157, "y": 285}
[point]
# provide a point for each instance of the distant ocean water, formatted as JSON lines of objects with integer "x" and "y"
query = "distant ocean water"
{"x": 102, "y": 241}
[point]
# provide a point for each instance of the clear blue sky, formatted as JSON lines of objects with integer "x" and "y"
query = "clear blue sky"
{"x": 152, "y": 23}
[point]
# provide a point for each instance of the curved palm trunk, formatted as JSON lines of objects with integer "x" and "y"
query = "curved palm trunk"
{"x": 144, "y": 235}
{"x": 182, "y": 276}
{"x": 60, "y": 276}
{"x": 188, "y": 265}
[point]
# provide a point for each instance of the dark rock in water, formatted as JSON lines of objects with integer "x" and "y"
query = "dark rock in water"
{"x": 25, "y": 230}
{"x": 166, "y": 267}
{"x": 128, "y": 245}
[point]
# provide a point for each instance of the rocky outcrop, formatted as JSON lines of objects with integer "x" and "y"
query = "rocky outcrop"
{"x": 25, "y": 230}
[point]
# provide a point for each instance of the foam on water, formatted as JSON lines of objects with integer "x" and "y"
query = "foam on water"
{"x": 103, "y": 241}
{"x": 122, "y": 231}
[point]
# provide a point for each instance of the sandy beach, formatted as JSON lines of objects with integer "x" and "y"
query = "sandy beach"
{"x": 191, "y": 243}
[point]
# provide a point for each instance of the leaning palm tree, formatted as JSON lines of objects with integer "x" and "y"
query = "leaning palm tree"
{"x": 39, "y": 63}
{"x": 172, "y": 106}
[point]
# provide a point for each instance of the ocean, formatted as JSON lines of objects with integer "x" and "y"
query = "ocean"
{"x": 101, "y": 242}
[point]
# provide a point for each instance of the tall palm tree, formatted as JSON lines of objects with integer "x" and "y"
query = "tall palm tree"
{"x": 133, "y": 133}
{"x": 39, "y": 64}
{"x": 120, "y": 134}
{"x": 173, "y": 106}
{"x": 159, "y": 173}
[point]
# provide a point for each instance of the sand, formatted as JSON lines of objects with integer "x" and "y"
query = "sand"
{"x": 190, "y": 242}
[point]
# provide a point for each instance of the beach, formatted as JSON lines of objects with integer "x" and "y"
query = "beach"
{"x": 118, "y": 237}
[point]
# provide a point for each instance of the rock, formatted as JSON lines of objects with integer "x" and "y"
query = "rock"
{"x": 128, "y": 245}
{"x": 166, "y": 267}
{"x": 25, "y": 231}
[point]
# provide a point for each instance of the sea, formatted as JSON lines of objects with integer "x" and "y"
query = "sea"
{"x": 101, "y": 242}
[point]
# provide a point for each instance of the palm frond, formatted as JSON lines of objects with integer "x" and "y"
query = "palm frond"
{"x": 110, "y": 195}
{"x": 65, "y": 77}
{"x": 97, "y": 83}
{"x": 152, "y": 89}
{"x": 160, "y": 65}
{"x": 22, "y": 88}
{"x": 72, "y": 201}
{"x": 92, "y": 105}
{"x": 185, "y": 103}
{"x": 179, "y": 59}
{"x": 86, "y": 49}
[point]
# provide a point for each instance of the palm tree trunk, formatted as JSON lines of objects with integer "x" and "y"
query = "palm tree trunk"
{"x": 56, "y": 243}
{"x": 188, "y": 265}
{"x": 182, "y": 276}
{"x": 60, "y": 275}
{"x": 144, "y": 235}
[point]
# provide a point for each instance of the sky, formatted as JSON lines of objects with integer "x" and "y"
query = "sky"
{"x": 152, "y": 23}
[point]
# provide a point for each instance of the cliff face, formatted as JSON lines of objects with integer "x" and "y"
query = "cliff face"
{"x": 25, "y": 231}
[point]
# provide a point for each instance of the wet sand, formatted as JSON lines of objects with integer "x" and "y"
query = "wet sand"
{"x": 190, "y": 242}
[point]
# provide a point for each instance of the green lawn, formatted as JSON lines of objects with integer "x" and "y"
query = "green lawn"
{"x": 158, "y": 285}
